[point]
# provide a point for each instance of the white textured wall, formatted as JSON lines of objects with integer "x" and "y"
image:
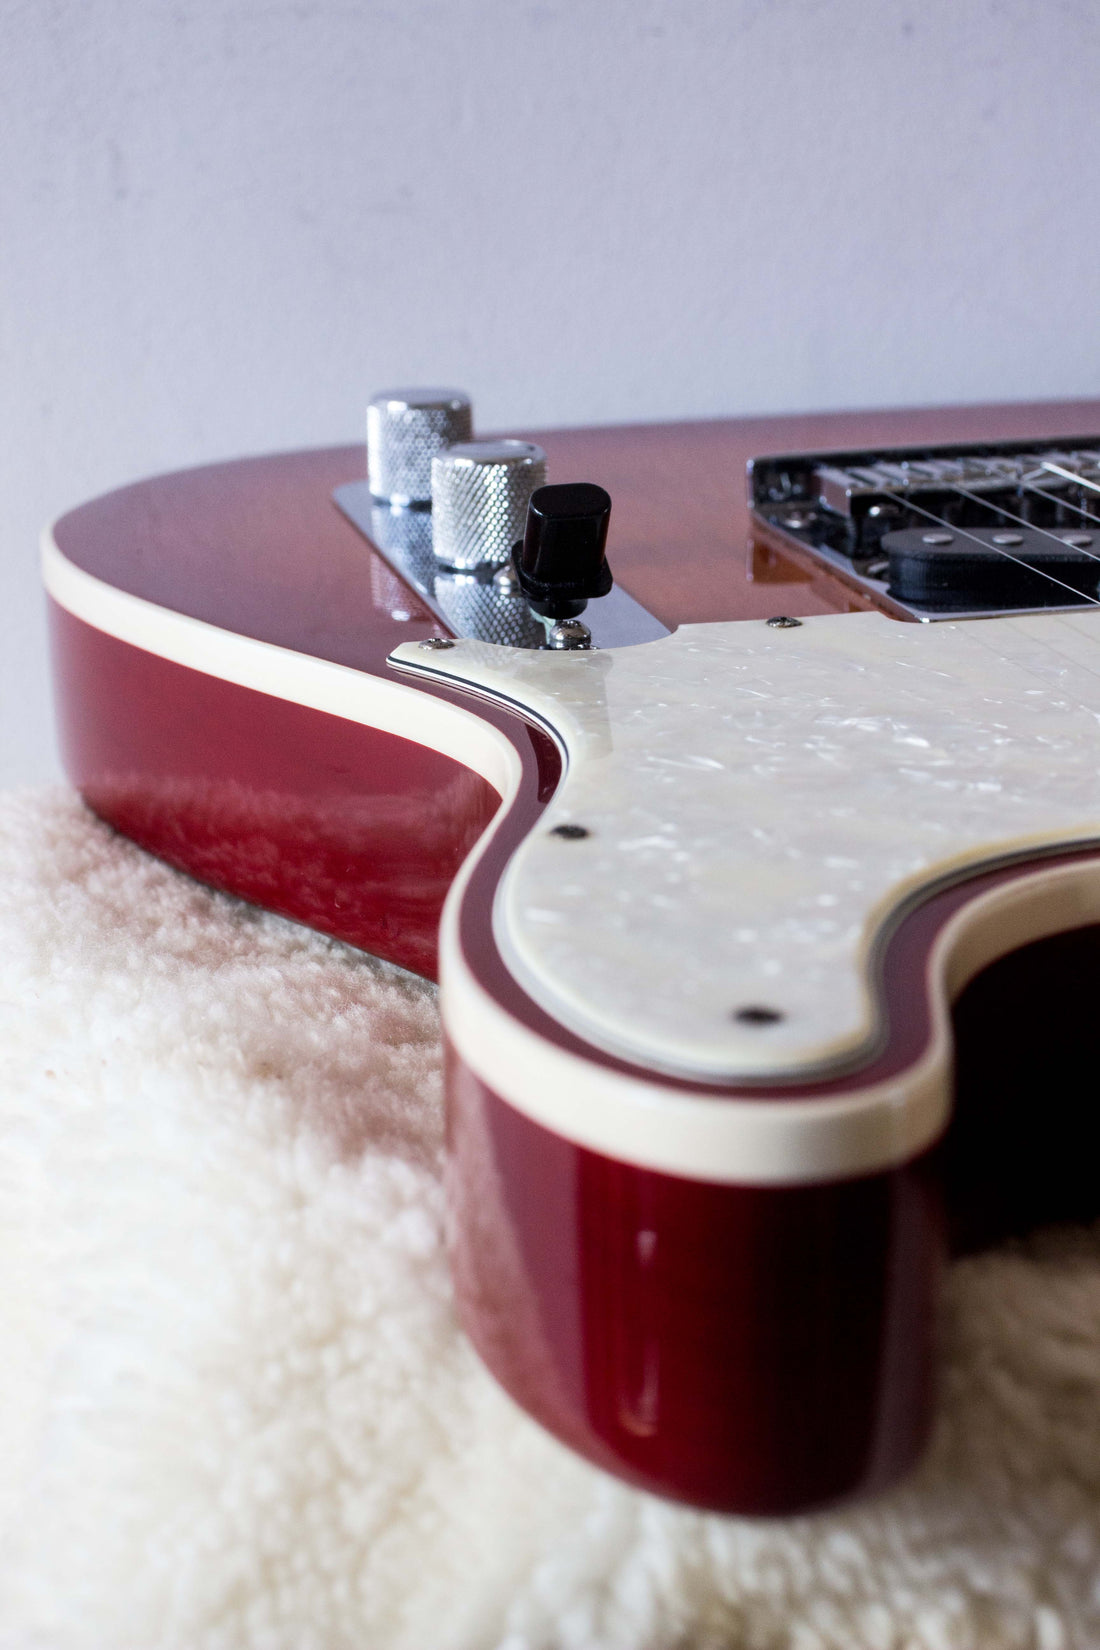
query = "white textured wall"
{"x": 224, "y": 222}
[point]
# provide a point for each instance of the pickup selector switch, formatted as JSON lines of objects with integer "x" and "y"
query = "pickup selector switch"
{"x": 560, "y": 561}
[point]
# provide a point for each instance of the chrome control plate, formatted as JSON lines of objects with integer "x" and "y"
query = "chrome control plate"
{"x": 475, "y": 603}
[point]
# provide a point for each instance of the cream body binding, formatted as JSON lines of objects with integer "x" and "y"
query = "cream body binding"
{"x": 996, "y": 721}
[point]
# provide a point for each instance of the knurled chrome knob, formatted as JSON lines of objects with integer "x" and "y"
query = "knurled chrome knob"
{"x": 405, "y": 430}
{"x": 480, "y": 492}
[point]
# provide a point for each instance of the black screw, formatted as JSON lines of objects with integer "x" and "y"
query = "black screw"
{"x": 755, "y": 1014}
{"x": 782, "y": 621}
{"x": 572, "y": 833}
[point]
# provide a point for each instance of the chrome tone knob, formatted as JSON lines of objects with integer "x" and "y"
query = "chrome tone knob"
{"x": 405, "y": 430}
{"x": 480, "y": 491}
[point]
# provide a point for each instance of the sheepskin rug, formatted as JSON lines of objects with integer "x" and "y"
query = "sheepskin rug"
{"x": 236, "y": 1413}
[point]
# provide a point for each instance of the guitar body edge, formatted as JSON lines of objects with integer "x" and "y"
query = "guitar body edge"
{"x": 348, "y": 828}
{"x": 743, "y": 1341}
{"x": 360, "y": 833}
{"x": 759, "y": 1339}
{"x": 751, "y": 1349}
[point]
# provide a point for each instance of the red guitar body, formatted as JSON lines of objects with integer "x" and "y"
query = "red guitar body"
{"x": 749, "y": 1348}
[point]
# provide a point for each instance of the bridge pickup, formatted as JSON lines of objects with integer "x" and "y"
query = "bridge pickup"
{"x": 851, "y": 510}
{"x": 981, "y": 567}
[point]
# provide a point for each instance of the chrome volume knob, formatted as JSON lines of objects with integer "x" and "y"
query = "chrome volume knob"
{"x": 405, "y": 430}
{"x": 480, "y": 493}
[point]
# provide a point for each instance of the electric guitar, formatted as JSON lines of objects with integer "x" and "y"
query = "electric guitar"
{"x": 768, "y": 945}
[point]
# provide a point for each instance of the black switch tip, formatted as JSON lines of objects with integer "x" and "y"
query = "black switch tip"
{"x": 560, "y": 561}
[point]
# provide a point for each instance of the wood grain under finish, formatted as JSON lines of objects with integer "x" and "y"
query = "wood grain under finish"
{"x": 760, "y": 804}
{"x": 257, "y": 546}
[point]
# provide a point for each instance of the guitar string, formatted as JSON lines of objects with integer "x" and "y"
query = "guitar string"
{"x": 1059, "y": 499}
{"x": 1025, "y": 486}
{"x": 1021, "y": 521}
{"x": 949, "y": 526}
{"x": 1068, "y": 475}
{"x": 1056, "y": 498}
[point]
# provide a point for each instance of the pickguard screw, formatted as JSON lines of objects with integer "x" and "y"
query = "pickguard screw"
{"x": 782, "y": 621}
{"x": 755, "y": 1014}
{"x": 433, "y": 644}
{"x": 572, "y": 833}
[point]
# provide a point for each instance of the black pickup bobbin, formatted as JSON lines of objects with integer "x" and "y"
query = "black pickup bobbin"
{"x": 947, "y": 531}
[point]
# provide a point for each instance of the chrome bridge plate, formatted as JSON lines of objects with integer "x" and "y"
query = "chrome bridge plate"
{"x": 844, "y": 507}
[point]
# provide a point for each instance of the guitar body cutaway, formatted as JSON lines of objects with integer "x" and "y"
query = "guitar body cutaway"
{"x": 717, "y": 1279}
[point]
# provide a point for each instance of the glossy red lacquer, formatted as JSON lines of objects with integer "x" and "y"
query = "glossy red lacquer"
{"x": 756, "y": 1349}
{"x": 749, "y": 1349}
{"x": 354, "y": 831}
{"x": 764, "y": 1349}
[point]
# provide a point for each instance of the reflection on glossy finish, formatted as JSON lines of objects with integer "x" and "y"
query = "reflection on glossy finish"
{"x": 354, "y": 831}
{"x": 475, "y": 606}
{"x": 406, "y": 537}
{"x": 756, "y": 1350}
{"x": 471, "y": 603}
{"x": 767, "y": 564}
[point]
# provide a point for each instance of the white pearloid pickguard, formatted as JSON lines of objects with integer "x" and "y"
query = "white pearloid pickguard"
{"x": 761, "y": 802}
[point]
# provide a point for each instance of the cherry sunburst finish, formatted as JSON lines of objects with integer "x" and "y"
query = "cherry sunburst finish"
{"x": 757, "y": 1342}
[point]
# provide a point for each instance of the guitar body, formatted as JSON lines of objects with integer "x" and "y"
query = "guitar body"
{"x": 721, "y": 1287}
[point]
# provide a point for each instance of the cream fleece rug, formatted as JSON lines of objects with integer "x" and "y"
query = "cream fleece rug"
{"x": 236, "y": 1414}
